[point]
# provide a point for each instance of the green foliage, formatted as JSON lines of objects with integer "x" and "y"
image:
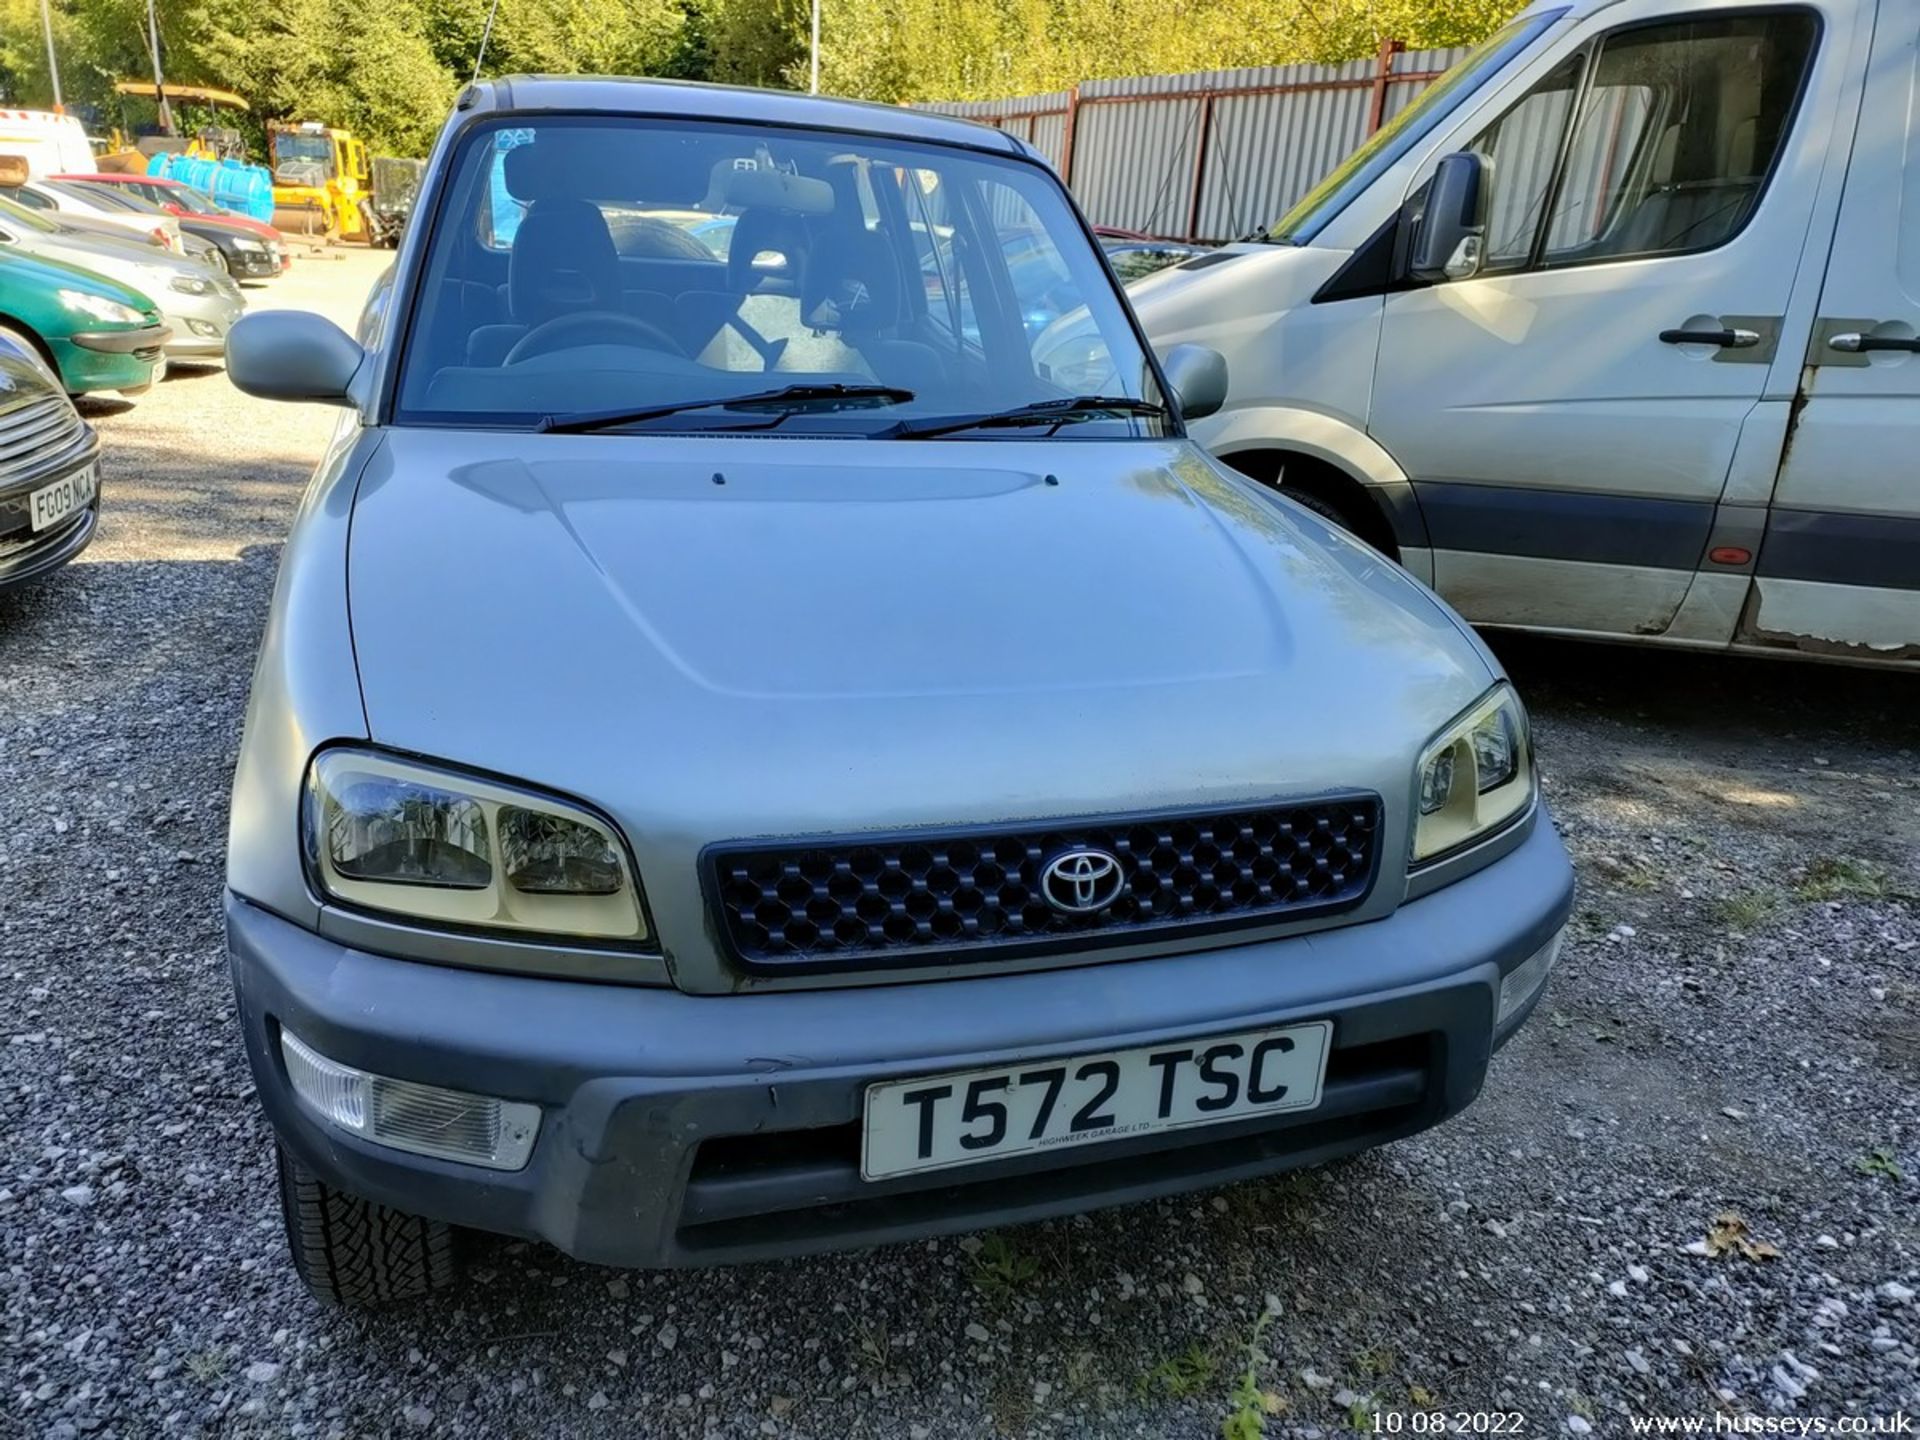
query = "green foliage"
{"x": 1879, "y": 1162}
{"x": 1247, "y": 1404}
{"x": 388, "y": 70}
{"x": 1000, "y": 1272}
{"x": 1179, "y": 1377}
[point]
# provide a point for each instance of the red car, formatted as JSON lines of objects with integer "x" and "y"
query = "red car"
{"x": 194, "y": 205}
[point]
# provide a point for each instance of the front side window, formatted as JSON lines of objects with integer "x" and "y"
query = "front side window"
{"x": 1658, "y": 141}
{"x": 584, "y": 263}
{"x": 1522, "y": 151}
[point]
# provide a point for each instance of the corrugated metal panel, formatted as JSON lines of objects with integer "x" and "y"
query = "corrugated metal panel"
{"x": 990, "y": 111}
{"x": 1402, "y": 93}
{"x": 1049, "y": 136}
{"x": 1266, "y": 151}
{"x": 1133, "y": 163}
{"x": 1274, "y": 131}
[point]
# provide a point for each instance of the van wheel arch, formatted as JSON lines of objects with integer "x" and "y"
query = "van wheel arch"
{"x": 1323, "y": 488}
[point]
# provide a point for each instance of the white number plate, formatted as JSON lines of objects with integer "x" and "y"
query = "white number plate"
{"x": 51, "y": 504}
{"x": 934, "y": 1122}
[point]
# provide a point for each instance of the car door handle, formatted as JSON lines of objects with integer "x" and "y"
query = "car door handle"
{"x": 1857, "y": 344}
{"x": 1725, "y": 339}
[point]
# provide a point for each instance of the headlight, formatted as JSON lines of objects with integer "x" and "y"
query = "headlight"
{"x": 240, "y": 242}
{"x": 100, "y": 307}
{"x": 1475, "y": 776}
{"x": 190, "y": 285}
{"x": 436, "y": 845}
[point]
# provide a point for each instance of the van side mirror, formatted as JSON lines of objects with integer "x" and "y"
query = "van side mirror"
{"x": 292, "y": 355}
{"x": 1451, "y": 231}
{"x": 1197, "y": 375}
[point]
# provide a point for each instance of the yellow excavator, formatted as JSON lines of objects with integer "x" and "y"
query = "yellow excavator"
{"x": 322, "y": 181}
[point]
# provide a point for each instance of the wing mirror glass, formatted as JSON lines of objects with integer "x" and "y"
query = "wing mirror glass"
{"x": 1450, "y": 235}
{"x": 1197, "y": 375}
{"x": 293, "y": 355}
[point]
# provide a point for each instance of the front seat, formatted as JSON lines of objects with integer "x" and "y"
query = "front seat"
{"x": 563, "y": 263}
{"x": 853, "y": 288}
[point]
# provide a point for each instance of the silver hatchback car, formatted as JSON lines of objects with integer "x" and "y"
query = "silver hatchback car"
{"x": 770, "y": 737}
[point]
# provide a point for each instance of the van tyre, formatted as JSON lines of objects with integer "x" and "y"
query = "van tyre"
{"x": 350, "y": 1251}
{"x": 1325, "y": 509}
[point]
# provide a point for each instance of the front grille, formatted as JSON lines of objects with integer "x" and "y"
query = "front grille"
{"x": 922, "y": 896}
{"x": 32, "y": 434}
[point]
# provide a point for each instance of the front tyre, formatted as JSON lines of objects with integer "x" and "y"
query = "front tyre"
{"x": 350, "y": 1251}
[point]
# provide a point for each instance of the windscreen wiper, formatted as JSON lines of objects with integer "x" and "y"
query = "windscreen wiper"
{"x": 798, "y": 397}
{"x": 1042, "y": 412}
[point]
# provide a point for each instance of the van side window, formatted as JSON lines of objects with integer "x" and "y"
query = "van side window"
{"x": 1521, "y": 149}
{"x": 1675, "y": 136}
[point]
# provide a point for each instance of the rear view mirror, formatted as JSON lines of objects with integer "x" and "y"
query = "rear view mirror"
{"x": 292, "y": 355}
{"x": 1450, "y": 233}
{"x": 1197, "y": 375}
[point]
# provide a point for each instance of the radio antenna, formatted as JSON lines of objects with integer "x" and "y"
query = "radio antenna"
{"x": 485, "y": 35}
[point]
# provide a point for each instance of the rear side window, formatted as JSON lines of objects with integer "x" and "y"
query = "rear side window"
{"x": 1660, "y": 141}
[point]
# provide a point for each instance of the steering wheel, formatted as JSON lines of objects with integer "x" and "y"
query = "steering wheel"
{"x": 590, "y": 327}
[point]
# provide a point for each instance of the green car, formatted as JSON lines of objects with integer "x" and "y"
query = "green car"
{"x": 92, "y": 332}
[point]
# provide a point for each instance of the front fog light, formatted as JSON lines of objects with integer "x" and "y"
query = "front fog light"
{"x": 1526, "y": 978}
{"x": 423, "y": 1119}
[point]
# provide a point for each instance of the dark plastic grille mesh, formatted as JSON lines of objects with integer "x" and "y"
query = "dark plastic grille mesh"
{"x": 921, "y": 896}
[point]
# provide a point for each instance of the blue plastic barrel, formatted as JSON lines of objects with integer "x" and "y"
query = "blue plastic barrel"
{"x": 246, "y": 188}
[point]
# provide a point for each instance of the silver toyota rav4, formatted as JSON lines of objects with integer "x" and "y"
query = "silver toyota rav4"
{"x": 769, "y": 735}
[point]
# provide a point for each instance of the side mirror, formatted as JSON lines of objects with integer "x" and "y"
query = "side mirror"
{"x": 1197, "y": 375}
{"x": 1448, "y": 237}
{"x": 292, "y": 355}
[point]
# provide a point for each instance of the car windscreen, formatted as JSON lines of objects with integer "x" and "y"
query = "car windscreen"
{"x": 1311, "y": 213}
{"x": 20, "y": 215}
{"x": 98, "y": 197}
{"x": 186, "y": 197}
{"x": 582, "y": 263}
{"x": 110, "y": 195}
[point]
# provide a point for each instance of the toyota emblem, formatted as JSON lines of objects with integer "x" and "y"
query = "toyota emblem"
{"x": 1081, "y": 881}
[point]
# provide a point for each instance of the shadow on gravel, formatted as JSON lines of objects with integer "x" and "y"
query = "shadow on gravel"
{"x": 1719, "y": 696}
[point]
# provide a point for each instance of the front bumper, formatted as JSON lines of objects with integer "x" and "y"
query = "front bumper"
{"x": 682, "y": 1129}
{"x": 145, "y": 341}
{"x": 200, "y": 323}
{"x": 24, "y": 559}
{"x": 253, "y": 264}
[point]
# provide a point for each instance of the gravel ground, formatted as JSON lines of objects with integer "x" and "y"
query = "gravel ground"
{"x": 1734, "y": 1030}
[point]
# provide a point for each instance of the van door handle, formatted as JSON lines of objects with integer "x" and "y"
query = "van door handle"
{"x": 1856, "y": 344}
{"x": 1725, "y": 339}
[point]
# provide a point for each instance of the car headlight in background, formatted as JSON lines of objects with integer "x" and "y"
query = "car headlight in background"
{"x": 436, "y": 845}
{"x": 100, "y": 307}
{"x": 1475, "y": 776}
{"x": 241, "y": 242}
{"x": 190, "y": 285}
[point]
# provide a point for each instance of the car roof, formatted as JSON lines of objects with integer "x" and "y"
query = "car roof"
{"x": 116, "y": 179}
{"x": 622, "y": 95}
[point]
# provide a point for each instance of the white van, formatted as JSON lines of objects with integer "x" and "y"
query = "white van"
{"x": 1613, "y": 331}
{"x": 50, "y": 143}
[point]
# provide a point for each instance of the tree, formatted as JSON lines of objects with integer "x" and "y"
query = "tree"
{"x": 389, "y": 68}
